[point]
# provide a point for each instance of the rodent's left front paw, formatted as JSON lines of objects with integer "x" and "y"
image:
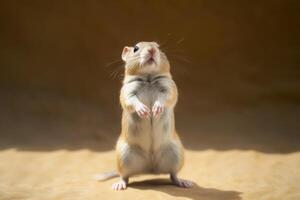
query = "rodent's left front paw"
{"x": 157, "y": 108}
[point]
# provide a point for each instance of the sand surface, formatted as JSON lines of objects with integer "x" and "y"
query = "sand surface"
{"x": 52, "y": 147}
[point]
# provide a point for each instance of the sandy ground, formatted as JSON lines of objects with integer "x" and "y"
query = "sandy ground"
{"x": 51, "y": 149}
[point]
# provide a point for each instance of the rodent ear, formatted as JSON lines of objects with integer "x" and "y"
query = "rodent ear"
{"x": 125, "y": 53}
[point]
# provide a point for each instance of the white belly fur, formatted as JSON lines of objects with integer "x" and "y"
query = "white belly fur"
{"x": 151, "y": 132}
{"x": 157, "y": 151}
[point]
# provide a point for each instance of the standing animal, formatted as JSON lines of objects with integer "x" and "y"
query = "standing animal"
{"x": 148, "y": 142}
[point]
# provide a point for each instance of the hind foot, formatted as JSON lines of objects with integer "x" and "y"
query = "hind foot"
{"x": 120, "y": 185}
{"x": 180, "y": 182}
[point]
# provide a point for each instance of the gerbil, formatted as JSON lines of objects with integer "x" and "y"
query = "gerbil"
{"x": 148, "y": 142}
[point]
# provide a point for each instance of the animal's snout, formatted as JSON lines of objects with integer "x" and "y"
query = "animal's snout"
{"x": 151, "y": 51}
{"x": 150, "y": 55}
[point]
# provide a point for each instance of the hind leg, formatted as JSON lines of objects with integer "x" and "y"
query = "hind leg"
{"x": 170, "y": 160}
{"x": 131, "y": 161}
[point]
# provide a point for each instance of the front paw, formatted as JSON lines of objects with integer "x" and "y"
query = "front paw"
{"x": 142, "y": 110}
{"x": 157, "y": 108}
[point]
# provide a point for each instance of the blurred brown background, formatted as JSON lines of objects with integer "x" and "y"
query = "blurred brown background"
{"x": 236, "y": 64}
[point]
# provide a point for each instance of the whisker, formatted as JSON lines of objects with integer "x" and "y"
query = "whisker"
{"x": 180, "y": 41}
{"x": 181, "y": 58}
{"x": 116, "y": 73}
{"x": 113, "y": 62}
{"x": 116, "y": 70}
{"x": 166, "y": 42}
{"x": 174, "y": 51}
{"x": 170, "y": 49}
{"x": 135, "y": 58}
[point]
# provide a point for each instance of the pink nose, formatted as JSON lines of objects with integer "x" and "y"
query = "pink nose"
{"x": 151, "y": 51}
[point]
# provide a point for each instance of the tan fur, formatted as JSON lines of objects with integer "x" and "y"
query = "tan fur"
{"x": 134, "y": 69}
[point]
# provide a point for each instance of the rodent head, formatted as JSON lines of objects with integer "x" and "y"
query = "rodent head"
{"x": 145, "y": 57}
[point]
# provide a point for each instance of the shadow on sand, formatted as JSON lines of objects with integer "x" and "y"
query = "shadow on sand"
{"x": 196, "y": 192}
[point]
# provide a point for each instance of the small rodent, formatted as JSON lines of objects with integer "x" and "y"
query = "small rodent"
{"x": 148, "y": 142}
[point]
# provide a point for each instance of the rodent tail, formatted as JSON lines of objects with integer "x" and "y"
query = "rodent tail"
{"x": 106, "y": 175}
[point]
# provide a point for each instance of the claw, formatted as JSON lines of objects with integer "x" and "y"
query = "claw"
{"x": 120, "y": 185}
{"x": 157, "y": 108}
{"x": 142, "y": 110}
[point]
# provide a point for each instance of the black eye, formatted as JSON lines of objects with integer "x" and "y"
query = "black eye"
{"x": 135, "y": 49}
